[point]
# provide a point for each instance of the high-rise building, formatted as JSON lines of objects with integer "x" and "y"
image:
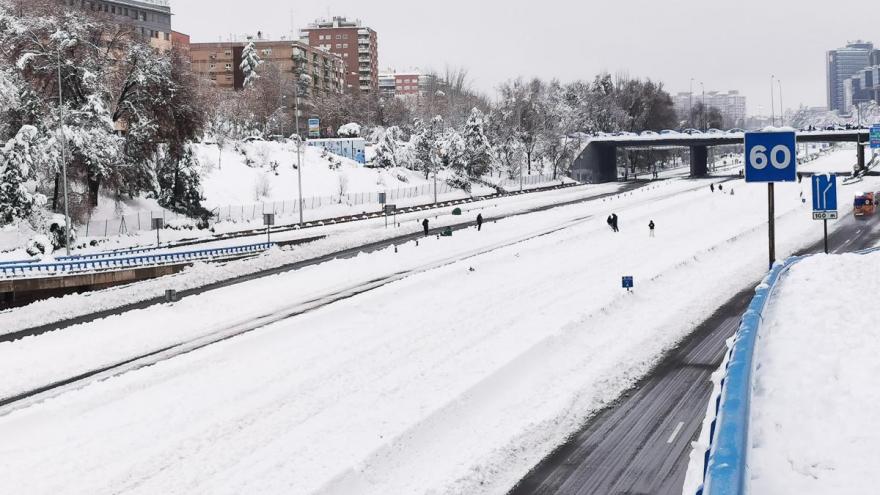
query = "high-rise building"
{"x": 221, "y": 63}
{"x": 355, "y": 43}
{"x": 862, "y": 87}
{"x": 842, "y": 64}
{"x": 731, "y": 104}
{"x": 150, "y": 18}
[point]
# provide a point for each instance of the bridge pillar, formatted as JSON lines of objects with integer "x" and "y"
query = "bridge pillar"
{"x": 596, "y": 164}
{"x": 699, "y": 161}
{"x": 861, "y": 156}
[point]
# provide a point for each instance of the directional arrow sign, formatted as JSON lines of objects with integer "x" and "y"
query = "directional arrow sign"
{"x": 824, "y": 192}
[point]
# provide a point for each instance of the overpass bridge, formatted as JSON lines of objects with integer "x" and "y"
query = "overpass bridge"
{"x": 598, "y": 161}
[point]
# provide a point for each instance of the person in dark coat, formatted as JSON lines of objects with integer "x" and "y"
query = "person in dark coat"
{"x": 610, "y": 221}
{"x": 425, "y": 226}
{"x": 614, "y": 222}
{"x": 651, "y": 228}
{"x": 712, "y": 187}
{"x": 479, "y": 221}
{"x": 721, "y": 187}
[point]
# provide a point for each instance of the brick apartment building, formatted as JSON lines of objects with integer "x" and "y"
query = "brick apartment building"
{"x": 409, "y": 84}
{"x": 221, "y": 63}
{"x": 150, "y": 18}
{"x": 356, "y": 44}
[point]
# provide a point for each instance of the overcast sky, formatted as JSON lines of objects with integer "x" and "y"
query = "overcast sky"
{"x": 734, "y": 44}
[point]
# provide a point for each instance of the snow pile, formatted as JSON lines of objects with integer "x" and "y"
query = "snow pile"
{"x": 814, "y": 406}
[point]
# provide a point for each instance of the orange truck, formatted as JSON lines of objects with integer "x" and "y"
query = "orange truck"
{"x": 864, "y": 205}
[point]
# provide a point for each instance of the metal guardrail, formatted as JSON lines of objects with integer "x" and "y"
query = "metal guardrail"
{"x": 86, "y": 257}
{"x": 74, "y": 265}
{"x": 725, "y": 460}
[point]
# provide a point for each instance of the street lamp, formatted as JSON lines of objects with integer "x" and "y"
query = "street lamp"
{"x": 691, "y": 104}
{"x": 63, "y": 159}
{"x": 781, "y": 108}
{"x": 703, "y": 110}
{"x": 772, "y": 102}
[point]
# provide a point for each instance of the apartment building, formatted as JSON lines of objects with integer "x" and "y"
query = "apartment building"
{"x": 355, "y": 43}
{"x": 150, "y": 18}
{"x": 842, "y": 64}
{"x": 221, "y": 63}
{"x": 405, "y": 84}
{"x": 731, "y": 103}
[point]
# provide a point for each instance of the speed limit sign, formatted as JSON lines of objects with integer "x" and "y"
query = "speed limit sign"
{"x": 771, "y": 157}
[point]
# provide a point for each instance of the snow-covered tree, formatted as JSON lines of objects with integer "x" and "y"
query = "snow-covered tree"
{"x": 424, "y": 143}
{"x": 17, "y": 160}
{"x": 180, "y": 182}
{"x": 477, "y": 148}
{"x": 389, "y": 148}
{"x": 249, "y": 63}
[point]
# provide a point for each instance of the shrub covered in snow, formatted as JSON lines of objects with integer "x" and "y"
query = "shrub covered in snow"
{"x": 40, "y": 245}
{"x": 349, "y": 130}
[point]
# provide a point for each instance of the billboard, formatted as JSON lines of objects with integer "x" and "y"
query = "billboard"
{"x": 314, "y": 128}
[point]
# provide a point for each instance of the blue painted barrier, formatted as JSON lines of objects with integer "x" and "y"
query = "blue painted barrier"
{"x": 72, "y": 264}
{"x": 724, "y": 468}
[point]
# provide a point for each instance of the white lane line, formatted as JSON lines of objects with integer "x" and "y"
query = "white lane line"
{"x": 675, "y": 432}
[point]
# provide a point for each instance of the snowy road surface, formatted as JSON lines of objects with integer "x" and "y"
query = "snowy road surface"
{"x": 457, "y": 379}
{"x": 814, "y": 406}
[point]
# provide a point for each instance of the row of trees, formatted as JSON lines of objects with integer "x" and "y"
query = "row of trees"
{"x": 121, "y": 114}
{"x": 533, "y": 124}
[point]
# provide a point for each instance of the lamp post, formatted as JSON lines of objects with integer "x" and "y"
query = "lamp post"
{"x": 781, "y": 108}
{"x": 691, "y": 104}
{"x": 703, "y": 109}
{"x": 63, "y": 159}
{"x": 299, "y": 180}
{"x": 772, "y": 102}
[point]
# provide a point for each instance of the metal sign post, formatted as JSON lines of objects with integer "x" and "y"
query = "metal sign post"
{"x": 627, "y": 282}
{"x": 771, "y": 157}
{"x": 268, "y": 221}
{"x": 824, "y": 200}
{"x": 157, "y": 226}
{"x": 393, "y": 210}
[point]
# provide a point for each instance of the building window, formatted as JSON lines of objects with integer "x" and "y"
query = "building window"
{"x": 345, "y": 45}
{"x": 339, "y": 36}
{"x": 345, "y": 36}
{"x": 338, "y": 45}
{"x": 228, "y": 67}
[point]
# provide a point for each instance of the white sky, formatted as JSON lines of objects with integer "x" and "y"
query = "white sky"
{"x": 732, "y": 44}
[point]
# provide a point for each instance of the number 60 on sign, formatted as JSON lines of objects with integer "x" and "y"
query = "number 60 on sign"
{"x": 771, "y": 157}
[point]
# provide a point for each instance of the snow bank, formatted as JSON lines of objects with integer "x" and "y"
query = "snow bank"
{"x": 815, "y": 400}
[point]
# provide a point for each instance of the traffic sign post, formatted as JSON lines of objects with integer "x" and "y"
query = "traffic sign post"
{"x": 875, "y": 136}
{"x": 158, "y": 224}
{"x": 627, "y": 282}
{"x": 824, "y": 188}
{"x": 393, "y": 210}
{"x": 771, "y": 157}
{"x": 268, "y": 221}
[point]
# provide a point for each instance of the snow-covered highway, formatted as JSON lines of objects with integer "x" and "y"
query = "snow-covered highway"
{"x": 456, "y": 378}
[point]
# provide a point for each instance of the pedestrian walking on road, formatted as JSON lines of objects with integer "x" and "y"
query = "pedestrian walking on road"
{"x": 712, "y": 187}
{"x": 479, "y": 222}
{"x": 425, "y": 226}
{"x": 614, "y": 222}
{"x": 610, "y": 221}
{"x": 651, "y": 228}
{"x": 721, "y": 187}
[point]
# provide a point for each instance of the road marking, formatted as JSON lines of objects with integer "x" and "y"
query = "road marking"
{"x": 675, "y": 432}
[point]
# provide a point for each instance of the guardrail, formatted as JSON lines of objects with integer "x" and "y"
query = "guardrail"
{"x": 74, "y": 265}
{"x": 725, "y": 460}
{"x": 86, "y": 257}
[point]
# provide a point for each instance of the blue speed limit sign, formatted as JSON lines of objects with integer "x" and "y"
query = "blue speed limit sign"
{"x": 771, "y": 157}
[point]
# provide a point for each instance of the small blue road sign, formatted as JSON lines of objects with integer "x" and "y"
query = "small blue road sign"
{"x": 627, "y": 282}
{"x": 875, "y": 136}
{"x": 825, "y": 192}
{"x": 771, "y": 157}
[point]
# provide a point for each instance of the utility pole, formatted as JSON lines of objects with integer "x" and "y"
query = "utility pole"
{"x": 772, "y": 102}
{"x": 63, "y": 159}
